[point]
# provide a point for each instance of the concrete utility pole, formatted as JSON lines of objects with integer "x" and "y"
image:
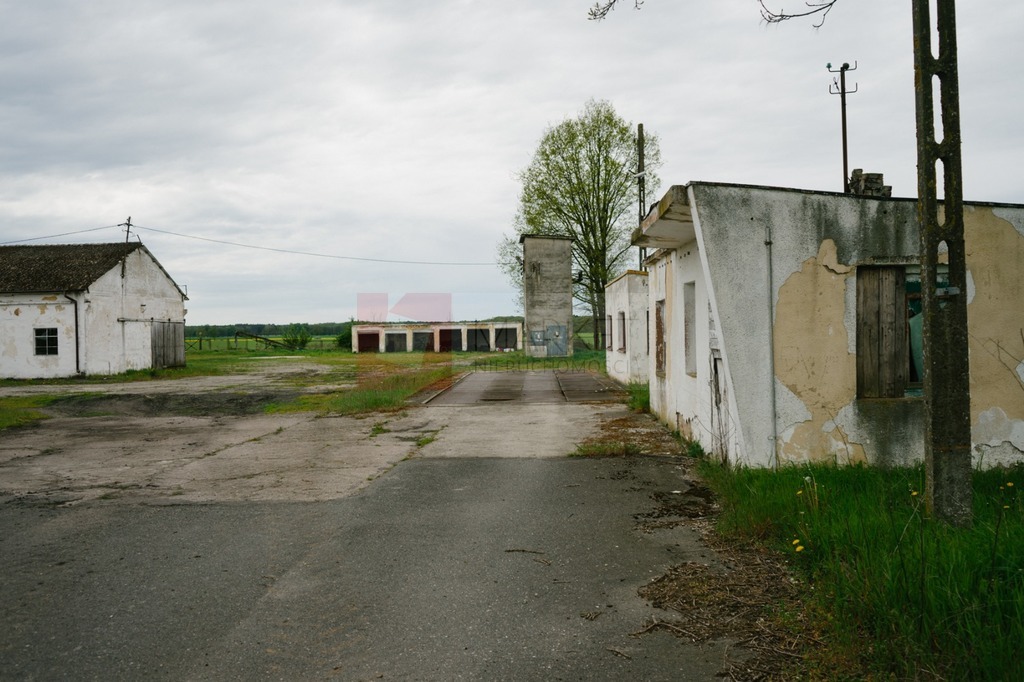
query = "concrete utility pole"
{"x": 839, "y": 88}
{"x": 641, "y": 184}
{"x": 946, "y": 373}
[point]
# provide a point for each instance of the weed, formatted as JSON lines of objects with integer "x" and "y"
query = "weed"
{"x": 606, "y": 448}
{"x": 897, "y": 593}
{"x": 689, "y": 446}
{"x": 379, "y": 428}
{"x": 639, "y": 396}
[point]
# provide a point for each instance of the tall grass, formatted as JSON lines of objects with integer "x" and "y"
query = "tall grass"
{"x": 894, "y": 592}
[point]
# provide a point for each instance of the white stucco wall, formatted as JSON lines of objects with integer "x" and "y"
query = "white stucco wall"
{"x": 626, "y": 299}
{"x": 20, "y": 316}
{"x": 689, "y": 401}
{"x": 118, "y": 315}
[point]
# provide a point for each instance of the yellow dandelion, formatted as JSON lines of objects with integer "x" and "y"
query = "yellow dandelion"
{"x": 1006, "y": 506}
{"x": 797, "y": 541}
{"x": 799, "y": 492}
{"x": 913, "y": 493}
{"x": 799, "y": 548}
{"x": 1009, "y": 484}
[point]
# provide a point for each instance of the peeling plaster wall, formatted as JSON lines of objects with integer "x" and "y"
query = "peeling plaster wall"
{"x": 628, "y": 294}
{"x": 994, "y": 239}
{"x": 20, "y": 316}
{"x": 817, "y": 241}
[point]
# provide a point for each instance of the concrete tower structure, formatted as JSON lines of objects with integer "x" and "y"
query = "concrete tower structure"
{"x": 547, "y": 295}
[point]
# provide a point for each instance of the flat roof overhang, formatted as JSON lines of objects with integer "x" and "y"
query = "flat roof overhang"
{"x": 669, "y": 223}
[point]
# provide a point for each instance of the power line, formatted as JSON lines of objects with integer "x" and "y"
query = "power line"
{"x": 305, "y": 253}
{"x": 54, "y": 236}
{"x": 254, "y": 246}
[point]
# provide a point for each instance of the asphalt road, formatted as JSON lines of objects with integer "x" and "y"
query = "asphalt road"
{"x": 487, "y": 555}
{"x": 443, "y": 569}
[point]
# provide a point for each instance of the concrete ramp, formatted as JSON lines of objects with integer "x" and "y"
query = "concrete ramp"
{"x": 531, "y": 387}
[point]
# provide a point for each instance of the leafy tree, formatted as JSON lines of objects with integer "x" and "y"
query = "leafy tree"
{"x": 582, "y": 184}
{"x": 296, "y": 336}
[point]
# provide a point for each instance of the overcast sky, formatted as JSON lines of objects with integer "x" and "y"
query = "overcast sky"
{"x": 394, "y": 129}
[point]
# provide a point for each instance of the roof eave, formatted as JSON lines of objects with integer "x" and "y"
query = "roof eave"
{"x": 669, "y": 223}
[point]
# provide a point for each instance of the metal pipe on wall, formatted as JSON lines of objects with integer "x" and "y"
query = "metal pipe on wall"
{"x": 78, "y": 354}
{"x": 771, "y": 344}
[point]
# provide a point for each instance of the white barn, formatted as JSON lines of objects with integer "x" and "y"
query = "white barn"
{"x": 72, "y": 309}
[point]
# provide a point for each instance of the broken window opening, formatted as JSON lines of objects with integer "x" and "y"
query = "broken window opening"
{"x": 690, "y": 327}
{"x": 890, "y": 361}
{"x": 659, "y": 337}
{"x": 622, "y": 332}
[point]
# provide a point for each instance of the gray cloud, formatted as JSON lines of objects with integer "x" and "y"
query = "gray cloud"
{"x": 395, "y": 129}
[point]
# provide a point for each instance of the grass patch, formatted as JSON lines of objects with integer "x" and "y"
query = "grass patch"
{"x": 638, "y": 396}
{"x": 607, "y": 448}
{"x": 21, "y": 410}
{"x": 203, "y": 364}
{"x": 385, "y": 390}
{"x": 895, "y": 593}
{"x": 426, "y": 440}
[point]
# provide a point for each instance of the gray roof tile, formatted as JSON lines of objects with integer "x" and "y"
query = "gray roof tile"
{"x": 58, "y": 267}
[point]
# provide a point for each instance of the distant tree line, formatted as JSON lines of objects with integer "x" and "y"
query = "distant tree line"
{"x": 269, "y": 330}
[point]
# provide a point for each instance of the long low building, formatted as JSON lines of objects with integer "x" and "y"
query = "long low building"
{"x": 440, "y": 337}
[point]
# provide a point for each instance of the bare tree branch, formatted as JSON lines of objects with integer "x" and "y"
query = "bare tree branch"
{"x": 822, "y": 7}
{"x": 601, "y": 9}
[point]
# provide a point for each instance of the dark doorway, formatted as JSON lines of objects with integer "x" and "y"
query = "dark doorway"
{"x": 423, "y": 341}
{"x": 478, "y": 339}
{"x": 369, "y": 342}
{"x": 506, "y": 337}
{"x": 449, "y": 340}
{"x": 394, "y": 343}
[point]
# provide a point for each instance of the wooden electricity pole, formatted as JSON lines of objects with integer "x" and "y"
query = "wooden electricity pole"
{"x": 947, "y": 395}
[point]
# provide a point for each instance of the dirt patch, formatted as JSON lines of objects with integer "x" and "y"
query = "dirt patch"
{"x": 634, "y": 433}
{"x": 677, "y": 508}
{"x": 747, "y": 598}
{"x": 210, "y": 404}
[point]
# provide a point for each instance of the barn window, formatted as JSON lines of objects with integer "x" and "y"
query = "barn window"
{"x": 622, "y": 331}
{"x": 608, "y": 332}
{"x": 889, "y": 358}
{"x": 46, "y": 341}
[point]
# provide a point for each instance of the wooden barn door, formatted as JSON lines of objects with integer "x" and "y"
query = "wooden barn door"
{"x": 168, "y": 344}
